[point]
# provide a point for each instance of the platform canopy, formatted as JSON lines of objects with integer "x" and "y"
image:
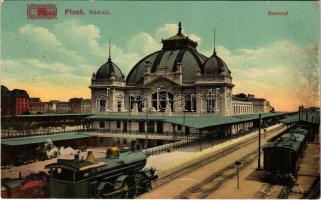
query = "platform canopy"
{"x": 198, "y": 122}
{"x": 308, "y": 116}
{"x": 264, "y": 115}
{"x": 42, "y": 138}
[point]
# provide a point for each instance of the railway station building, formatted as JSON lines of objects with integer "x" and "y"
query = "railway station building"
{"x": 168, "y": 88}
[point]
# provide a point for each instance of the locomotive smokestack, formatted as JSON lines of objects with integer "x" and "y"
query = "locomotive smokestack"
{"x": 76, "y": 156}
{"x": 91, "y": 157}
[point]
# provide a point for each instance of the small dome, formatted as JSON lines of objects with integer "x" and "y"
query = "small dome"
{"x": 107, "y": 70}
{"x": 214, "y": 65}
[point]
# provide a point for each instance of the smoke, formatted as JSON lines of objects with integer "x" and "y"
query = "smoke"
{"x": 308, "y": 77}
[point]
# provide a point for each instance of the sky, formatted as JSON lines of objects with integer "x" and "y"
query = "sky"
{"x": 273, "y": 57}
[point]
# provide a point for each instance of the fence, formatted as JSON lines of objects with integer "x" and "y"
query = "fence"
{"x": 172, "y": 134}
{"x": 170, "y": 147}
{"x": 5, "y": 134}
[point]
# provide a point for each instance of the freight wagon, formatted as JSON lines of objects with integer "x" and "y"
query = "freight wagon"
{"x": 281, "y": 155}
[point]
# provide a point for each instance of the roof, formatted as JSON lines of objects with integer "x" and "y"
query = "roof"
{"x": 4, "y": 90}
{"x": 102, "y": 163}
{"x": 214, "y": 65}
{"x": 107, "y": 70}
{"x": 294, "y": 136}
{"x": 43, "y": 138}
{"x": 15, "y": 92}
{"x": 178, "y": 41}
{"x": 55, "y": 115}
{"x": 178, "y": 49}
{"x": 35, "y": 100}
{"x": 292, "y": 139}
{"x": 310, "y": 116}
{"x": 244, "y": 97}
{"x": 75, "y": 165}
{"x": 204, "y": 122}
{"x": 198, "y": 122}
{"x": 19, "y": 93}
{"x": 290, "y": 119}
{"x": 263, "y": 115}
{"x": 189, "y": 58}
{"x": 284, "y": 143}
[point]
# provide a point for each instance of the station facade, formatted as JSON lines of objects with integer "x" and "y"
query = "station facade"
{"x": 175, "y": 81}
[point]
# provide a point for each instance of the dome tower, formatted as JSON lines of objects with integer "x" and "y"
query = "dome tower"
{"x": 106, "y": 87}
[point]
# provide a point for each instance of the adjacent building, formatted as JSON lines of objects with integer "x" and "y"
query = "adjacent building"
{"x": 36, "y": 106}
{"x": 75, "y": 104}
{"x": 85, "y": 106}
{"x": 62, "y": 107}
{"x": 14, "y": 102}
{"x": 80, "y": 105}
{"x": 247, "y": 104}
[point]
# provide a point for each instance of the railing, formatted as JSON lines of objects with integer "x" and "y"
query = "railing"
{"x": 166, "y": 148}
{"x": 27, "y": 133}
{"x": 111, "y": 131}
{"x": 170, "y": 147}
{"x": 6, "y": 134}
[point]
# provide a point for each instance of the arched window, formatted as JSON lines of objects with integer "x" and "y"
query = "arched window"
{"x": 190, "y": 103}
{"x": 131, "y": 102}
{"x": 102, "y": 103}
{"x": 139, "y": 100}
{"x": 211, "y": 101}
{"x": 164, "y": 100}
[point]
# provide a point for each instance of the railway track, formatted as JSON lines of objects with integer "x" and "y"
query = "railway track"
{"x": 264, "y": 191}
{"x": 213, "y": 182}
{"x": 208, "y": 159}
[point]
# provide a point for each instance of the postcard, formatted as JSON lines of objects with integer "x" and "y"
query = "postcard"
{"x": 160, "y": 99}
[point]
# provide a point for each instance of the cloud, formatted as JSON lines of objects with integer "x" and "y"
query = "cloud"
{"x": 124, "y": 59}
{"x": 40, "y": 43}
{"x": 168, "y": 30}
{"x": 39, "y": 34}
{"x": 165, "y": 31}
{"x": 83, "y": 38}
{"x": 272, "y": 71}
{"x": 45, "y": 80}
{"x": 283, "y": 72}
{"x": 143, "y": 43}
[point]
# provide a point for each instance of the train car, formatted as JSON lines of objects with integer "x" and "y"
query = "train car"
{"x": 118, "y": 175}
{"x": 31, "y": 186}
{"x": 281, "y": 156}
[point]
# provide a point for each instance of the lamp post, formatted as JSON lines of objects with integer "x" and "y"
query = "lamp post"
{"x": 200, "y": 140}
{"x": 259, "y": 150}
{"x": 146, "y": 128}
{"x": 237, "y": 164}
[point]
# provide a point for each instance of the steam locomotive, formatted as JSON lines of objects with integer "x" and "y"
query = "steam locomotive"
{"x": 120, "y": 174}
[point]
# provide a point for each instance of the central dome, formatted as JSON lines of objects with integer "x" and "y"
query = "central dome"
{"x": 176, "y": 49}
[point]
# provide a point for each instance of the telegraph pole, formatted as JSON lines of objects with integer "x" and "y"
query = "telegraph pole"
{"x": 259, "y": 150}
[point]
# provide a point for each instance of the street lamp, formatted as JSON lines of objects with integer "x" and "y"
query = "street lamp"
{"x": 200, "y": 139}
{"x": 146, "y": 121}
{"x": 237, "y": 164}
